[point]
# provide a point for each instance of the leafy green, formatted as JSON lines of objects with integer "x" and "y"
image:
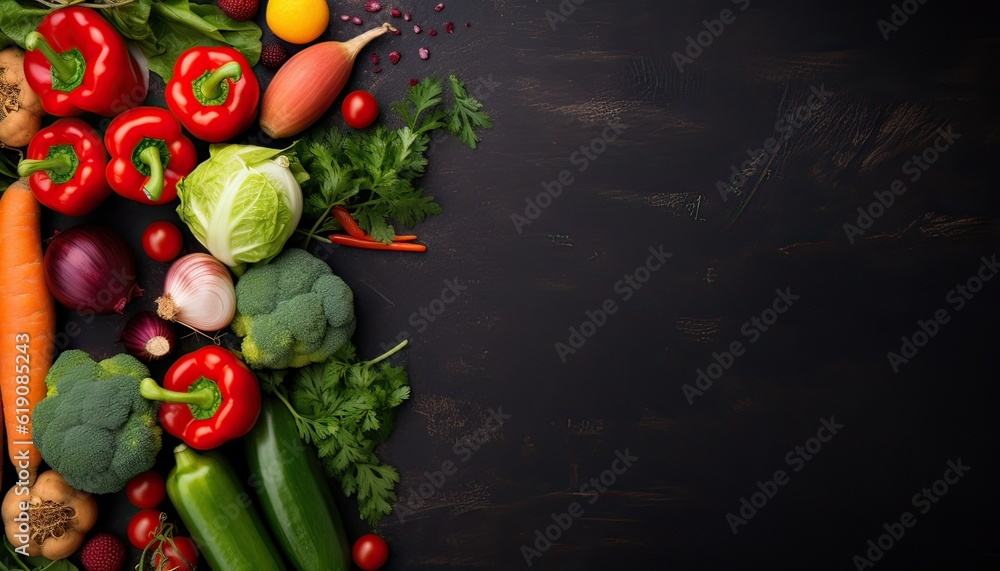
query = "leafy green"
{"x": 373, "y": 173}
{"x": 163, "y": 29}
{"x": 166, "y": 28}
{"x": 243, "y": 203}
{"x": 466, "y": 116}
{"x": 345, "y": 407}
{"x": 16, "y": 19}
{"x": 8, "y": 166}
{"x": 10, "y": 560}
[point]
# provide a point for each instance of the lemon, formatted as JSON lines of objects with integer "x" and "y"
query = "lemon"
{"x": 298, "y": 21}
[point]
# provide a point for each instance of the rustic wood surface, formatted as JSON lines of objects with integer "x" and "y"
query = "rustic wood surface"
{"x": 554, "y": 85}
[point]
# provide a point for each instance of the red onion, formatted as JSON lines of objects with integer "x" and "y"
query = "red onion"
{"x": 90, "y": 269}
{"x": 146, "y": 336}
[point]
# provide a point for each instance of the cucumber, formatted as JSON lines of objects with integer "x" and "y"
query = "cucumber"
{"x": 219, "y": 514}
{"x": 295, "y": 493}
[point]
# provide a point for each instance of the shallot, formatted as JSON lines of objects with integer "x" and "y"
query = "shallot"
{"x": 198, "y": 293}
{"x": 147, "y": 336}
{"x": 307, "y": 85}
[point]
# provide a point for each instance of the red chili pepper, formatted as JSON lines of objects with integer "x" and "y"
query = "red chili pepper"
{"x": 347, "y": 222}
{"x": 209, "y": 397}
{"x": 149, "y": 155}
{"x": 214, "y": 93}
{"x": 350, "y": 225}
{"x": 77, "y": 62}
{"x": 371, "y": 244}
{"x": 65, "y": 163}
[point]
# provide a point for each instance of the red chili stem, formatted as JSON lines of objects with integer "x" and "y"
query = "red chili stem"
{"x": 368, "y": 244}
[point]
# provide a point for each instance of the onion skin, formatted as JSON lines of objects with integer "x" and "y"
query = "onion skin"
{"x": 148, "y": 337}
{"x": 90, "y": 269}
{"x": 307, "y": 85}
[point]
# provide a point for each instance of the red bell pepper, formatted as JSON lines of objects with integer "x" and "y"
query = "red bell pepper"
{"x": 65, "y": 166}
{"x": 77, "y": 62}
{"x": 209, "y": 397}
{"x": 214, "y": 93}
{"x": 149, "y": 155}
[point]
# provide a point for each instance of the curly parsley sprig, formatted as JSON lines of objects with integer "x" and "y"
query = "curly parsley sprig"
{"x": 373, "y": 173}
{"x": 345, "y": 407}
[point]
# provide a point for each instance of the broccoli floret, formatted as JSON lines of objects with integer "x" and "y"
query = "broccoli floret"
{"x": 292, "y": 312}
{"x": 95, "y": 428}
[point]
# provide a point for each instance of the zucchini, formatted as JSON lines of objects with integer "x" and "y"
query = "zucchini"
{"x": 219, "y": 514}
{"x": 295, "y": 493}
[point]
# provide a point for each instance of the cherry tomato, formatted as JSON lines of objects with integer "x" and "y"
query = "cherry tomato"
{"x": 183, "y": 557}
{"x": 146, "y": 490}
{"x": 162, "y": 241}
{"x": 360, "y": 109}
{"x": 370, "y": 552}
{"x": 143, "y": 527}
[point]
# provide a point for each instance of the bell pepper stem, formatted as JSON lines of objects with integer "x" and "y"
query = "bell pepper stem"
{"x": 154, "y": 186}
{"x": 211, "y": 88}
{"x": 64, "y": 69}
{"x": 202, "y": 398}
{"x": 59, "y": 164}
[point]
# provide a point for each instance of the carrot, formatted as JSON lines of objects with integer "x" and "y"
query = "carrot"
{"x": 27, "y": 323}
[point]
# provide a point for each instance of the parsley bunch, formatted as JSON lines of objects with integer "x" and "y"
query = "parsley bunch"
{"x": 373, "y": 173}
{"x": 345, "y": 407}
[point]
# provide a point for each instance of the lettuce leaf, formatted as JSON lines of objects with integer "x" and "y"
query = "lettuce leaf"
{"x": 163, "y": 29}
{"x": 166, "y": 28}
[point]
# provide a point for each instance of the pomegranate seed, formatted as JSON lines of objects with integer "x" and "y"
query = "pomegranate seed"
{"x": 394, "y": 57}
{"x": 372, "y": 6}
{"x": 416, "y": 29}
{"x": 375, "y": 59}
{"x": 433, "y": 32}
{"x": 414, "y": 82}
{"x": 449, "y": 27}
{"x": 398, "y": 33}
{"x": 345, "y": 18}
{"x": 407, "y": 17}
{"x": 424, "y": 53}
{"x": 378, "y": 70}
{"x": 395, "y": 13}
{"x": 468, "y": 24}
{"x": 439, "y": 7}
{"x": 357, "y": 21}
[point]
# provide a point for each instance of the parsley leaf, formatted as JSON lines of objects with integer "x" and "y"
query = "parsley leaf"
{"x": 467, "y": 115}
{"x": 345, "y": 407}
{"x": 373, "y": 173}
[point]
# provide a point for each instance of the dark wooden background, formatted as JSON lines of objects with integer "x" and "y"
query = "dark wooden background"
{"x": 553, "y": 89}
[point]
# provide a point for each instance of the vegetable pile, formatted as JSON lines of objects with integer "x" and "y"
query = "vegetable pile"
{"x": 274, "y": 387}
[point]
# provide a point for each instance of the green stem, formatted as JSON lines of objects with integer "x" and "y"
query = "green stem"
{"x": 154, "y": 186}
{"x": 58, "y": 164}
{"x": 388, "y": 353}
{"x": 294, "y": 412}
{"x": 184, "y": 456}
{"x": 211, "y": 88}
{"x": 202, "y": 398}
{"x": 64, "y": 69}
